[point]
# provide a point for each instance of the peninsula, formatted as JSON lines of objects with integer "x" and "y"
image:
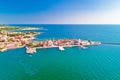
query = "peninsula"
{"x": 60, "y": 44}
{"x": 13, "y": 40}
{"x": 6, "y": 28}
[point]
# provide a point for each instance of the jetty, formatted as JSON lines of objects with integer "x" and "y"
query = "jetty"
{"x": 111, "y": 43}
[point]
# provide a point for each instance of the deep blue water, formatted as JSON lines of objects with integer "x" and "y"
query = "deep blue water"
{"x": 96, "y": 63}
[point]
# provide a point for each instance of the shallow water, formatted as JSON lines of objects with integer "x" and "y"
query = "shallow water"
{"x": 96, "y": 63}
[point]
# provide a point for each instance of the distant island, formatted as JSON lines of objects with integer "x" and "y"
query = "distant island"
{"x": 5, "y": 27}
{"x": 12, "y": 40}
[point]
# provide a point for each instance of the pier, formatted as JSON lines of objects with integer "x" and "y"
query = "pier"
{"x": 111, "y": 43}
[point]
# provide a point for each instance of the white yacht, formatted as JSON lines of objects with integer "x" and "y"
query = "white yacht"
{"x": 61, "y": 48}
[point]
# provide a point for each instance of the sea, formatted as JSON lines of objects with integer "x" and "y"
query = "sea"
{"x": 101, "y": 62}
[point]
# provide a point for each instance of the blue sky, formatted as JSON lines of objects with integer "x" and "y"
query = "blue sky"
{"x": 59, "y": 11}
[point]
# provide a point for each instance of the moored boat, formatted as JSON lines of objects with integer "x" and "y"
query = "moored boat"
{"x": 61, "y": 48}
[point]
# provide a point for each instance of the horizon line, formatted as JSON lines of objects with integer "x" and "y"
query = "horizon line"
{"x": 55, "y": 24}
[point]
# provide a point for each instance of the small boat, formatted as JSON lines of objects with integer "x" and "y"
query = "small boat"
{"x": 83, "y": 47}
{"x": 4, "y": 49}
{"x": 30, "y": 50}
{"x": 61, "y": 48}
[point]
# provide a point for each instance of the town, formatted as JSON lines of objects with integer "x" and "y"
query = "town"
{"x": 12, "y": 40}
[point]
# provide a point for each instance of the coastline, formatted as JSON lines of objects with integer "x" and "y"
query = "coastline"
{"x": 13, "y": 40}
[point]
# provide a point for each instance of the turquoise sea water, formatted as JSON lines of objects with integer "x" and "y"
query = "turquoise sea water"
{"x": 96, "y": 63}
